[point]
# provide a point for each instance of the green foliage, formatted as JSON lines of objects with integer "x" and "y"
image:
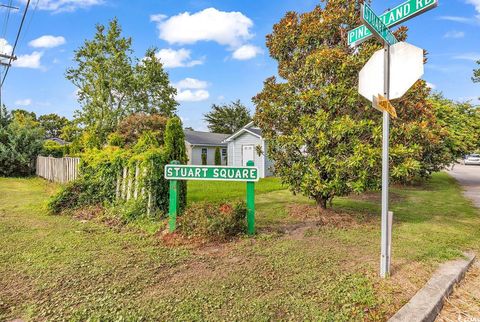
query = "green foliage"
{"x": 129, "y": 211}
{"x": 5, "y": 116}
{"x": 324, "y": 138}
{"x": 175, "y": 150}
{"x": 25, "y": 114}
{"x": 218, "y": 156}
{"x": 112, "y": 84}
{"x": 114, "y": 139}
{"x": 228, "y": 118}
{"x": 461, "y": 122}
{"x": 476, "y": 74}
{"x": 204, "y": 159}
{"x": 54, "y": 149}
{"x": 73, "y": 195}
{"x": 213, "y": 221}
{"x": 133, "y": 126}
{"x": 53, "y": 124}
{"x": 20, "y": 143}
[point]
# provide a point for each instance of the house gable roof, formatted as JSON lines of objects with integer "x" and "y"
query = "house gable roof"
{"x": 205, "y": 138}
{"x": 249, "y": 128}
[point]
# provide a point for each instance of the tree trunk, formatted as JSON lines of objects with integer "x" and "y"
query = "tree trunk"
{"x": 321, "y": 202}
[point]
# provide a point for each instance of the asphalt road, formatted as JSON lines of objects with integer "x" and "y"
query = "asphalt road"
{"x": 469, "y": 177}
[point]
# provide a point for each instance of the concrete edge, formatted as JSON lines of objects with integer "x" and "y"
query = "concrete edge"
{"x": 428, "y": 302}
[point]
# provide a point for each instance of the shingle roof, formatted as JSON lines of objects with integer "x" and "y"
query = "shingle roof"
{"x": 205, "y": 138}
{"x": 255, "y": 130}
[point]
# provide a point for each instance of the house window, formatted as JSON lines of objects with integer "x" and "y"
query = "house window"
{"x": 224, "y": 155}
{"x": 204, "y": 156}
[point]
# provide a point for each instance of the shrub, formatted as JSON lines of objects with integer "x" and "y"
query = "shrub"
{"x": 20, "y": 143}
{"x": 218, "y": 156}
{"x": 75, "y": 194}
{"x": 54, "y": 149}
{"x": 213, "y": 221}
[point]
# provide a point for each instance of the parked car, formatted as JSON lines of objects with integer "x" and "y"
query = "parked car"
{"x": 472, "y": 159}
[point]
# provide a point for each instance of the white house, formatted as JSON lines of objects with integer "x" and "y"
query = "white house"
{"x": 245, "y": 145}
{"x": 204, "y": 143}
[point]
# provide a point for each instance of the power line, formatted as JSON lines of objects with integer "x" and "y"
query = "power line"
{"x": 27, "y": 28}
{"x": 15, "y": 44}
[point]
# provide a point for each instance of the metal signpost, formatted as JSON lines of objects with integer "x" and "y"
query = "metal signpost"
{"x": 175, "y": 172}
{"x": 376, "y": 87}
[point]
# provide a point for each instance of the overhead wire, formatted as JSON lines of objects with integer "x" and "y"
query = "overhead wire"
{"x": 16, "y": 42}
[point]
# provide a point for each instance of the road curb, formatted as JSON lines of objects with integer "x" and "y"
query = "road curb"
{"x": 428, "y": 302}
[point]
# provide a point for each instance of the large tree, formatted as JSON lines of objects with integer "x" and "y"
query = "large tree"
{"x": 53, "y": 124}
{"x": 228, "y": 118}
{"x": 324, "y": 138}
{"x": 112, "y": 84}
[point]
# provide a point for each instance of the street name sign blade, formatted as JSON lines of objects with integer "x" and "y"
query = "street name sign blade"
{"x": 211, "y": 173}
{"x": 406, "y": 67}
{"x": 377, "y": 26}
{"x": 394, "y": 17}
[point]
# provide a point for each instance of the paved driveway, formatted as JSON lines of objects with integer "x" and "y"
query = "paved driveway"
{"x": 469, "y": 177}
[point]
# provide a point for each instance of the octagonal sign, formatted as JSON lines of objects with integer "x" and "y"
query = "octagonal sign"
{"x": 406, "y": 67}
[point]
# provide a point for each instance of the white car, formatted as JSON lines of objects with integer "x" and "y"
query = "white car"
{"x": 472, "y": 159}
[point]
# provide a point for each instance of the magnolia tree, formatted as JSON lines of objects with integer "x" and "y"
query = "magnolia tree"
{"x": 324, "y": 138}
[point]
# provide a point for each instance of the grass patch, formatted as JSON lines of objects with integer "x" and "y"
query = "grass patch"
{"x": 59, "y": 268}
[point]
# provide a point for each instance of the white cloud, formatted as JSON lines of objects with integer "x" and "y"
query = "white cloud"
{"x": 177, "y": 58}
{"x": 454, "y": 34}
{"x": 192, "y": 90}
{"x": 475, "y": 3}
{"x": 65, "y": 5}
{"x": 468, "y": 56}
{"x": 191, "y": 83}
{"x": 466, "y": 20}
{"x": 23, "y": 102}
{"x": 25, "y": 61}
{"x": 47, "y": 41}
{"x": 226, "y": 28}
{"x": 246, "y": 52}
{"x": 431, "y": 85}
{"x": 192, "y": 96}
{"x": 29, "y": 61}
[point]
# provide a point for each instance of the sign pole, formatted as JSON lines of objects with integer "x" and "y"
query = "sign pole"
{"x": 251, "y": 204}
{"x": 173, "y": 203}
{"x": 385, "y": 260}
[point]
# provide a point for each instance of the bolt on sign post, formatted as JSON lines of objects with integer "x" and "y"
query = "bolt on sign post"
{"x": 378, "y": 26}
{"x": 175, "y": 172}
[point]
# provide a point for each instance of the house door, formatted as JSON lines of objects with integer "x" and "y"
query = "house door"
{"x": 248, "y": 154}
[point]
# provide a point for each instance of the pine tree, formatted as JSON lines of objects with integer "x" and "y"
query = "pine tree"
{"x": 218, "y": 157}
{"x": 175, "y": 151}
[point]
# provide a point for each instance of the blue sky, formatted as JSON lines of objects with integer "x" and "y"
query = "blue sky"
{"x": 214, "y": 51}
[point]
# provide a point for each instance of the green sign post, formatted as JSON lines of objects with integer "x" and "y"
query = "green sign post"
{"x": 376, "y": 25}
{"x": 393, "y": 17}
{"x": 175, "y": 172}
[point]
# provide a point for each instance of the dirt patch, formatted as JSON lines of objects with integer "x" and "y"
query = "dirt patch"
{"x": 464, "y": 303}
{"x": 315, "y": 216}
{"x": 88, "y": 213}
{"x": 376, "y": 197}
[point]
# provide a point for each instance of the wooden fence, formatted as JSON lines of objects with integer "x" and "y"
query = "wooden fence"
{"x": 131, "y": 185}
{"x": 61, "y": 170}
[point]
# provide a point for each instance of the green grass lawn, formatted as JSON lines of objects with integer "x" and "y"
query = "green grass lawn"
{"x": 59, "y": 268}
{"x": 218, "y": 191}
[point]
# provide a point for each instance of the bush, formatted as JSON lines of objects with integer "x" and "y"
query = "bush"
{"x": 74, "y": 195}
{"x": 20, "y": 143}
{"x": 54, "y": 149}
{"x": 213, "y": 221}
{"x": 218, "y": 156}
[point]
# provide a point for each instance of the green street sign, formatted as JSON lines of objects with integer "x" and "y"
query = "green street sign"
{"x": 211, "y": 173}
{"x": 391, "y": 18}
{"x": 175, "y": 172}
{"x": 376, "y": 25}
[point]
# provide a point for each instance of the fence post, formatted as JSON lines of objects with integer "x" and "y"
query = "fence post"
{"x": 251, "y": 204}
{"x": 173, "y": 203}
